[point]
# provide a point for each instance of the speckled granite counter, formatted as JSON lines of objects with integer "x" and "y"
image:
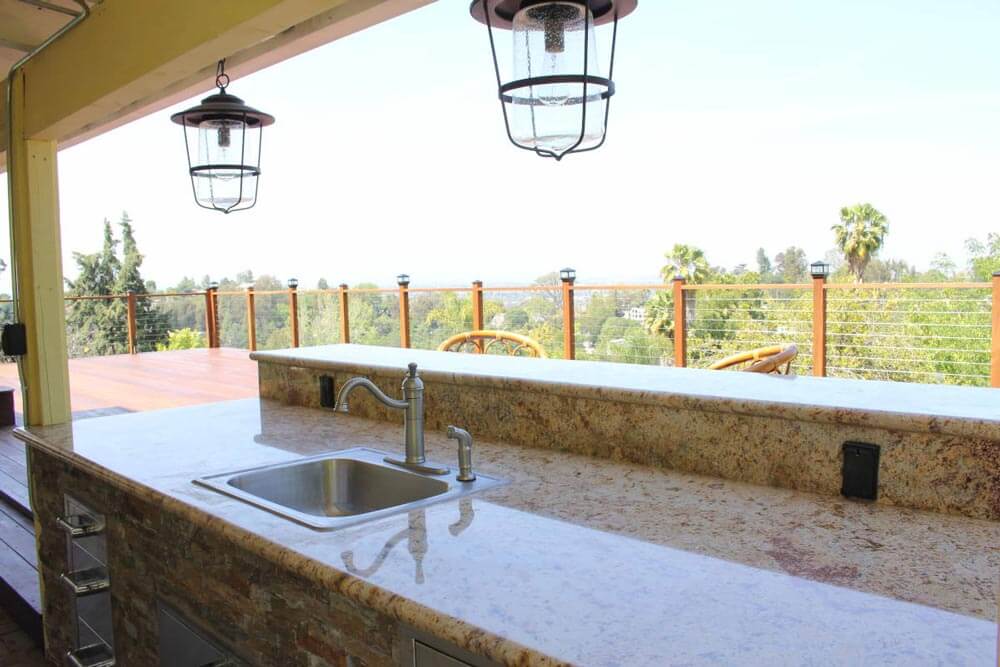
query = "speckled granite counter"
{"x": 940, "y": 445}
{"x": 546, "y": 570}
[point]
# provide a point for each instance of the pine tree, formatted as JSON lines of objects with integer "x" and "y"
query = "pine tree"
{"x": 151, "y": 325}
{"x": 100, "y": 326}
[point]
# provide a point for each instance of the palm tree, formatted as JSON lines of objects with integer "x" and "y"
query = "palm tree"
{"x": 686, "y": 262}
{"x": 860, "y": 233}
{"x": 660, "y": 314}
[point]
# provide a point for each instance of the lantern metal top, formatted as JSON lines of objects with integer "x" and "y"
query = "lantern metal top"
{"x": 567, "y": 275}
{"x": 293, "y": 283}
{"x": 819, "y": 269}
{"x": 502, "y": 12}
{"x": 221, "y": 106}
{"x": 403, "y": 279}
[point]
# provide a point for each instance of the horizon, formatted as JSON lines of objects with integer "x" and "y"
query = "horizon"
{"x": 766, "y": 115}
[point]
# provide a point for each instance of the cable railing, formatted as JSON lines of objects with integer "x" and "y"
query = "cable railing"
{"x": 721, "y": 322}
{"x": 939, "y": 334}
{"x": 946, "y": 333}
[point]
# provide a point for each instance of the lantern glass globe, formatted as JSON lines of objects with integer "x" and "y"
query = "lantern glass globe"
{"x": 553, "y": 40}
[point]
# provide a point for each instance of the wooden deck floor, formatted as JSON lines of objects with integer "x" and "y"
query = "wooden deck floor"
{"x": 154, "y": 380}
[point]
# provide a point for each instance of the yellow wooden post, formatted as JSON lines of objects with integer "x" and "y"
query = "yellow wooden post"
{"x": 403, "y": 281}
{"x": 39, "y": 278}
{"x": 568, "y": 277}
{"x": 133, "y": 346}
{"x": 680, "y": 324}
{"x": 211, "y": 317}
{"x": 251, "y": 320}
{"x": 293, "y": 310}
{"x": 345, "y": 323}
{"x": 477, "y": 311}
{"x": 819, "y": 325}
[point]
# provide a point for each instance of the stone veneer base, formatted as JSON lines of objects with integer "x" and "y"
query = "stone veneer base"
{"x": 949, "y": 473}
{"x": 262, "y": 612}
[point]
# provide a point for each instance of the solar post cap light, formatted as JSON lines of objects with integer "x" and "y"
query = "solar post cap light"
{"x": 558, "y": 101}
{"x": 222, "y": 136}
{"x": 819, "y": 269}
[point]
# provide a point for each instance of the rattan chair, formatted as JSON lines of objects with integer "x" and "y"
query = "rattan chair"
{"x": 762, "y": 360}
{"x": 493, "y": 342}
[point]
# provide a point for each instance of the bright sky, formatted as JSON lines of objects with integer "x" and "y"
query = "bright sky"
{"x": 736, "y": 125}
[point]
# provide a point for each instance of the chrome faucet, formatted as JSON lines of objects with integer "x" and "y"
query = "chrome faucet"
{"x": 413, "y": 417}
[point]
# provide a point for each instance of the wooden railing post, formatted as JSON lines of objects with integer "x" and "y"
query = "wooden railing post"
{"x": 995, "y": 345}
{"x": 293, "y": 310}
{"x": 345, "y": 323}
{"x": 132, "y": 343}
{"x": 251, "y": 320}
{"x": 403, "y": 281}
{"x": 568, "y": 277}
{"x": 477, "y": 311}
{"x": 211, "y": 315}
{"x": 477, "y": 305}
{"x": 819, "y": 323}
{"x": 680, "y": 323}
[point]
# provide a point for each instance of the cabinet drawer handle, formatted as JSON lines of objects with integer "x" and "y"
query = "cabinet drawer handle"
{"x": 93, "y": 655}
{"x": 87, "y": 582}
{"x": 80, "y": 525}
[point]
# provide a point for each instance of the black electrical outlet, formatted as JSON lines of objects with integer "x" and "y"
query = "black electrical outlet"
{"x": 327, "y": 398}
{"x": 860, "y": 470}
{"x": 14, "y": 340}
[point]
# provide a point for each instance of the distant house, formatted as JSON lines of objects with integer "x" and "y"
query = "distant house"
{"x": 636, "y": 314}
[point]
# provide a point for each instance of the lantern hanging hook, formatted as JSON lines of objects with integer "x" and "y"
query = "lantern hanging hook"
{"x": 221, "y": 78}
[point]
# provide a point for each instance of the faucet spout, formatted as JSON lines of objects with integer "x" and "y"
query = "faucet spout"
{"x": 354, "y": 383}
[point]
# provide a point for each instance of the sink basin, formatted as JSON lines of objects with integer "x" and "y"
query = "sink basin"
{"x": 340, "y": 488}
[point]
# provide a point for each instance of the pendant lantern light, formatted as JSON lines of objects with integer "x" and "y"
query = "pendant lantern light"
{"x": 222, "y": 136}
{"x": 558, "y": 101}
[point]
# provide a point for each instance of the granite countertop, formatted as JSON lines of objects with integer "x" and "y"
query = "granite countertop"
{"x": 585, "y": 561}
{"x": 962, "y": 411}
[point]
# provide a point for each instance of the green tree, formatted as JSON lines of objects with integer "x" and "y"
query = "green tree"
{"x": 984, "y": 256}
{"x": 764, "y": 266}
{"x": 791, "y": 266}
{"x": 660, "y": 314}
{"x": 151, "y": 324}
{"x": 860, "y": 234}
{"x": 685, "y": 261}
{"x": 182, "y": 339}
{"x": 99, "y": 326}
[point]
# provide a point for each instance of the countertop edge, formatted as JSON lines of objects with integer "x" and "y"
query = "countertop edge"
{"x": 910, "y": 422}
{"x": 418, "y": 616}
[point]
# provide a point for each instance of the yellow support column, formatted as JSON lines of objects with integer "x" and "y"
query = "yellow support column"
{"x": 37, "y": 253}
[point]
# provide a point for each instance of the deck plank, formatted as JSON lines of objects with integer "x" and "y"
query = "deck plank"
{"x": 154, "y": 380}
{"x": 20, "y": 595}
{"x": 18, "y": 538}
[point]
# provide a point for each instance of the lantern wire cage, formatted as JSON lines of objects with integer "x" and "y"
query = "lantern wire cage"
{"x": 222, "y": 179}
{"x": 588, "y": 80}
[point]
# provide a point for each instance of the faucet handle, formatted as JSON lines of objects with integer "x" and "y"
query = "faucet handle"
{"x": 412, "y": 366}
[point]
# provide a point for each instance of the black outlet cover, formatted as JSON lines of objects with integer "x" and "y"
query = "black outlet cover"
{"x": 326, "y": 394}
{"x": 14, "y": 340}
{"x": 860, "y": 475}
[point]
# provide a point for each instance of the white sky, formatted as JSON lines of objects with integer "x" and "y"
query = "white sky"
{"x": 736, "y": 125}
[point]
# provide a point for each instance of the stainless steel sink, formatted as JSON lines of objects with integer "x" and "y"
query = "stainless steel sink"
{"x": 340, "y": 488}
